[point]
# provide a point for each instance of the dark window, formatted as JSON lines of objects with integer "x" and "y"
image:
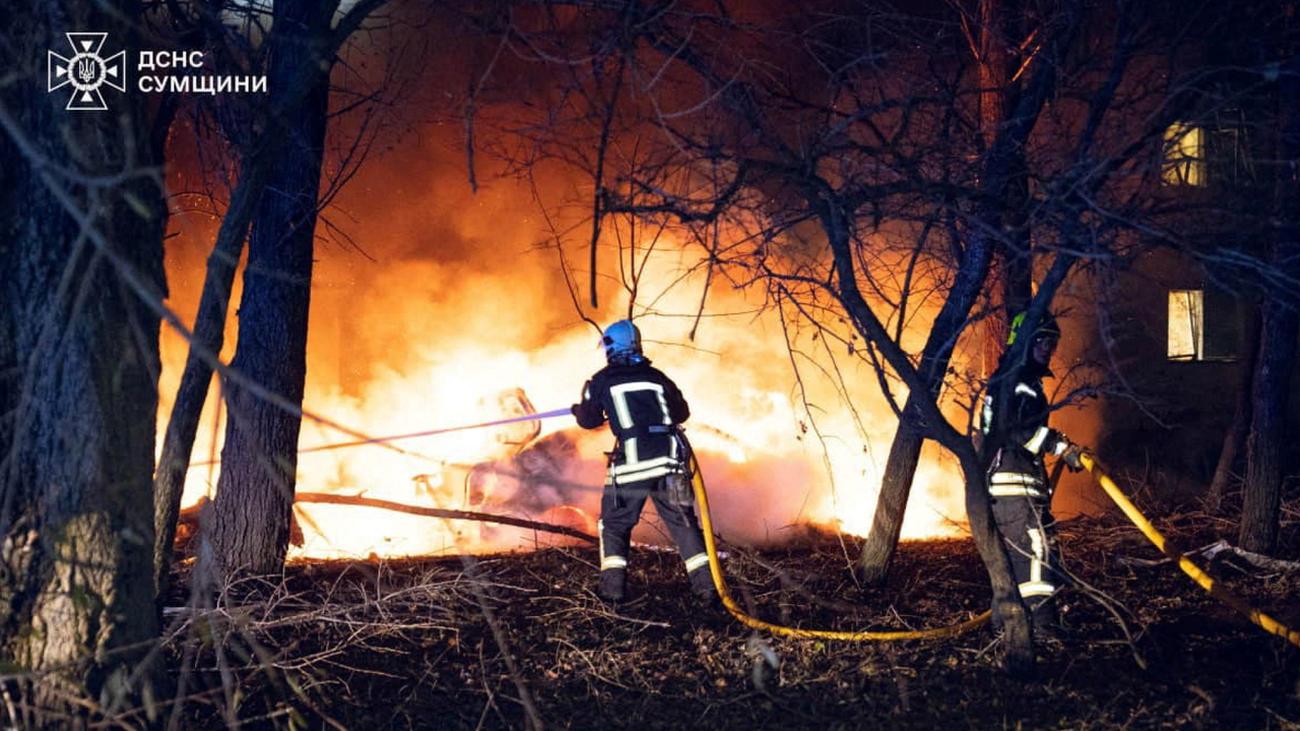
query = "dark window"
{"x": 1203, "y": 325}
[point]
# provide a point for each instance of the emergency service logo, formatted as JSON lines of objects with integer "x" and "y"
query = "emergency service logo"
{"x": 86, "y": 71}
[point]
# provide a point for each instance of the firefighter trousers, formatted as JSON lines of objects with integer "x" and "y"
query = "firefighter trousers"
{"x": 1028, "y": 531}
{"x": 620, "y": 509}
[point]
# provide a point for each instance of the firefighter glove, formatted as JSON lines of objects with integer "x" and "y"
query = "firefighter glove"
{"x": 1072, "y": 455}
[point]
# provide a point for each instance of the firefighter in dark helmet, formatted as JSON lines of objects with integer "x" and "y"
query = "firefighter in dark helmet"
{"x": 644, "y": 408}
{"x": 1014, "y": 424}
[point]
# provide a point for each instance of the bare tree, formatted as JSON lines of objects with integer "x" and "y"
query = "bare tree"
{"x": 209, "y": 333}
{"x": 253, "y": 506}
{"x": 260, "y": 154}
{"x": 302, "y": 54}
{"x": 1281, "y": 317}
{"x": 869, "y": 186}
{"x": 762, "y": 151}
{"x": 81, "y": 203}
{"x": 1000, "y": 57}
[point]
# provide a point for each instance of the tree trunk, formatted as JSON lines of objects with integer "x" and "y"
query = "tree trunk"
{"x": 254, "y": 500}
{"x": 78, "y": 369}
{"x": 260, "y": 156}
{"x": 209, "y": 336}
{"x": 1235, "y": 439}
{"x": 1267, "y": 444}
{"x": 1008, "y": 608}
{"x": 1262, "y": 489}
{"x": 1003, "y": 175}
{"x": 904, "y": 452}
{"x": 1015, "y": 253}
{"x": 999, "y": 26}
{"x": 988, "y": 541}
{"x": 895, "y": 488}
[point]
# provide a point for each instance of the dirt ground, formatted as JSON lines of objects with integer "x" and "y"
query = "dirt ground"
{"x": 490, "y": 641}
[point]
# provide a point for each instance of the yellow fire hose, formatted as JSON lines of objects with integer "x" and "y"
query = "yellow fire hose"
{"x": 720, "y": 583}
{"x": 1265, "y": 622}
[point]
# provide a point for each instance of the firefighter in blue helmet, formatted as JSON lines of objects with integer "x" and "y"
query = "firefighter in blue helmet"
{"x": 1014, "y": 425}
{"x": 644, "y": 408}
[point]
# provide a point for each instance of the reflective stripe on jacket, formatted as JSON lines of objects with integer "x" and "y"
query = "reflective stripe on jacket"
{"x": 1025, "y": 439}
{"x": 642, "y": 406}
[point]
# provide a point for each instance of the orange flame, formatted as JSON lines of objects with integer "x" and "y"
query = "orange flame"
{"x": 461, "y": 308}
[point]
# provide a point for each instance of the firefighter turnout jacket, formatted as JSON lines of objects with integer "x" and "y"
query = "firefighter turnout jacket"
{"x": 1016, "y": 424}
{"x": 643, "y": 407}
{"x": 1024, "y": 438}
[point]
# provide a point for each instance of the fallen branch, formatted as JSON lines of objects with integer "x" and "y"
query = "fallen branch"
{"x": 1258, "y": 560}
{"x": 331, "y": 499}
{"x": 1216, "y": 551}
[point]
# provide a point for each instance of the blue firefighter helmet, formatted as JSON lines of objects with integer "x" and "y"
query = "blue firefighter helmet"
{"x": 622, "y": 340}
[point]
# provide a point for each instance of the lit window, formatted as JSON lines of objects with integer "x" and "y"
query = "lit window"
{"x": 1184, "y": 155}
{"x": 1203, "y": 325}
{"x": 1186, "y": 324}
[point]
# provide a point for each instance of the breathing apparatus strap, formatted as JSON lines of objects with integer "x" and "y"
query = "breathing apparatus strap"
{"x": 678, "y": 482}
{"x": 611, "y": 457}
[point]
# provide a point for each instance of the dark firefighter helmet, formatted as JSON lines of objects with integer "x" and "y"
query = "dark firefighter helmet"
{"x": 1047, "y": 327}
{"x": 621, "y": 340}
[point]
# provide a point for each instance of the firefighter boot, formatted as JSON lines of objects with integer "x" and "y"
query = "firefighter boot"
{"x": 612, "y": 586}
{"x": 1044, "y": 622}
{"x": 702, "y": 587}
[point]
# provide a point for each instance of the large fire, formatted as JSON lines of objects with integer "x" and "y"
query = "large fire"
{"x": 454, "y": 315}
